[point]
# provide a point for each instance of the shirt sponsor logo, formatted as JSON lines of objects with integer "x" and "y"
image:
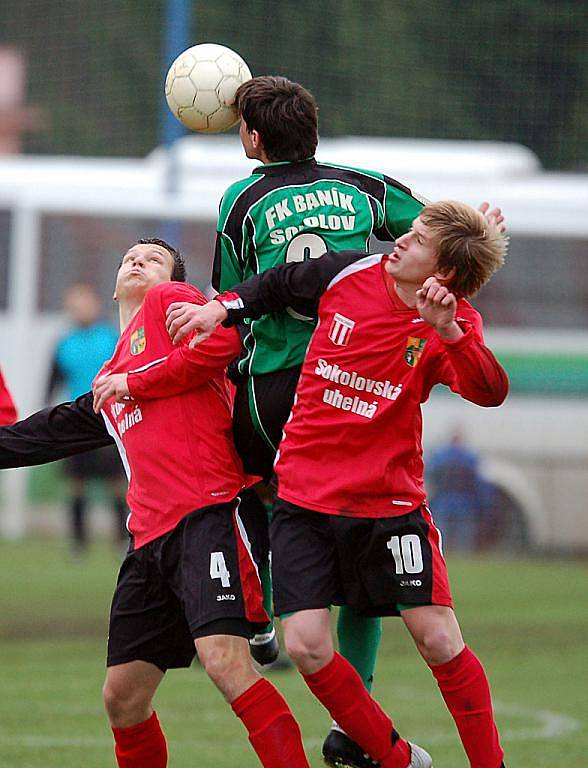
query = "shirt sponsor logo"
{"x": 321, "y": 198}
{"x": 323, "y": 209}
{"x": 129, "y": 418}
{"x": 332, "y": 372}
{"x": 340, "y": 330}
{"x": 414, "y": 350}
{"x": 138, "y": 341}
{"x": 346, "y": 403}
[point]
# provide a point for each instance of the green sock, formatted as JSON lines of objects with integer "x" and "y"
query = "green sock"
{"x": 359, "y": 641}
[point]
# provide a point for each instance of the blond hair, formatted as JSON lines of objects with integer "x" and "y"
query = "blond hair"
{"x": 469, "y": 247}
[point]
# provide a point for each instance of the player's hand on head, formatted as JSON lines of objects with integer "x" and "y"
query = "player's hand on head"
{"x": 436, "y": 304}
{"x": 112, "y": 385}
{"x": 201, "y": 320}
{"x": 493, "y": 215}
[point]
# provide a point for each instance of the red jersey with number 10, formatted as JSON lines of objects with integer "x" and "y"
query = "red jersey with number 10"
{"x": 352, "y": 445}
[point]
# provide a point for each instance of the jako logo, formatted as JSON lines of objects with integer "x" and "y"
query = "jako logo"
{"x": 225, "y": 597}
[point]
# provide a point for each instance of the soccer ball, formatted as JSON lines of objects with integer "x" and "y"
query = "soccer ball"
{"x": 201, "y": 84}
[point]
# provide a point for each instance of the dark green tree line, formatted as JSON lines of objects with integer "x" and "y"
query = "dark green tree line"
{"x": 511, "y": 70}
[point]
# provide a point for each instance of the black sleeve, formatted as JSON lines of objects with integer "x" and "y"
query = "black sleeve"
{"x": 52, "y": 434}
{"x": 298, "y": 285}
{"x": 215, "y": 280}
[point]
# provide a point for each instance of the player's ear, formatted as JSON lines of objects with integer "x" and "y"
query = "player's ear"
{"x": 256, "y": 139}
{"x": 445, "y": 277}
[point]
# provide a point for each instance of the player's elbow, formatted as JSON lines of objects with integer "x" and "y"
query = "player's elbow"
{"x": 494, "y": 397}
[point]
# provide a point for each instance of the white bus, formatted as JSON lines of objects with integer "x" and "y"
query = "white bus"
{"x": 66, "y": 219}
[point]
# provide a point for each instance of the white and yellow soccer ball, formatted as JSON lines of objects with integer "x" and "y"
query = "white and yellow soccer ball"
{"x": 201, "y": 84}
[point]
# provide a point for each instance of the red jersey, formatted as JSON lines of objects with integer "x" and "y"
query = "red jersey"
{"x": 7, "y": 407}
{"x": 352, "y": 445}
{"x": 175, "y": 436}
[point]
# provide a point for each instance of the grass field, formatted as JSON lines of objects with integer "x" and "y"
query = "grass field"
{"x": 527, "y": 620}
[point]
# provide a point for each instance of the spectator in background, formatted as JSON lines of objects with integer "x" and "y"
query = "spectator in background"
{"x": 78, "y": 357}
{"x": 460, "y": 496}
{"x": 8, "y": 413}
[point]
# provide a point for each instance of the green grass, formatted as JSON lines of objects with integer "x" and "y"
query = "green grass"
{"x": 527, "y": 620}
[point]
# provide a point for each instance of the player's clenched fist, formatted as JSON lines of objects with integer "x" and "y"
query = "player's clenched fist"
{"x": 437, "y": 305}
{"x": 184, "y": 318}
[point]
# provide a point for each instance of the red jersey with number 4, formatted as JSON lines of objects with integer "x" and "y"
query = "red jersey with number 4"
{"x": 352, "y": 445}
{"x": 180, "y": 401}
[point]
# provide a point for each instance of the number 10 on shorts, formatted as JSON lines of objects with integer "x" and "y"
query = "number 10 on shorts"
{"x": 407, "y": 553}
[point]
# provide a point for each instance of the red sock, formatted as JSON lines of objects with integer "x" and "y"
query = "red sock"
{"x": 273, "y": 732}
{"x": 464, "y": 686}
{"x": 141, "y": 746}
{"x": 340, "y": 689}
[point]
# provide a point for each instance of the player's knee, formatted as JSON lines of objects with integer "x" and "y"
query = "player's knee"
{"x": 439, "y": 644}
{"x": 225, "y": 662}
{"x": 309, "y": 652}
{"x": 124, "y": 705}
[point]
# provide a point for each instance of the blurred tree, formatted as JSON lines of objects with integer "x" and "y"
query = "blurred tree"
{"x": 513, "y": 70}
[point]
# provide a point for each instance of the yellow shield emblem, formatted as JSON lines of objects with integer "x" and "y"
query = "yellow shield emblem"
{"x": 138, "y": 341}
{"x": 414, "y": 350}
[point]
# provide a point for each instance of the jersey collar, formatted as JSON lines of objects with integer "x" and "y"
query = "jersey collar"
{"x": 270, "y": 169}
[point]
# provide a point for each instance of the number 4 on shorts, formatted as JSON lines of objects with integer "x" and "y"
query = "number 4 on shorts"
{"x": 218, "y": 568}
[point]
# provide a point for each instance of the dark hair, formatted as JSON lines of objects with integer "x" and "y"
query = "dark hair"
{"x": 284, "y": 114}
{"x": 179, "y": 270}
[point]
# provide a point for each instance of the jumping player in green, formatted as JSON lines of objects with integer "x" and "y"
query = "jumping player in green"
{"x": 290, "y": 209}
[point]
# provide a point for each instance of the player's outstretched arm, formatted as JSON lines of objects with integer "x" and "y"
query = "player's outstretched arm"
{"x": 184, "y": 368}
{"x": 184, "y": 318}
{"x": 299, "y": 286}
{"x": 52, "y": 434}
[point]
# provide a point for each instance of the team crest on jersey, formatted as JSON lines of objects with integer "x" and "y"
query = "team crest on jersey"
{"x": 138, "y": 341}
{"x": 340, "y": 330}
{"x": 414, "y": 350}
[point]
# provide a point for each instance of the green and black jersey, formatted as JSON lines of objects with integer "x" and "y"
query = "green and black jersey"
{"x": 287, "y": 212}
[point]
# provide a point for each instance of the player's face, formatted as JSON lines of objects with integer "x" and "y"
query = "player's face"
{"x": 143, "y": 266}
{"x": 414, "y": 257}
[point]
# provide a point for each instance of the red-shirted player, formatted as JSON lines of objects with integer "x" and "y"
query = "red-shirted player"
{"x": 351, "y": 523}
{"x": 188, "y": 579}
{"x": 8, "y": 413}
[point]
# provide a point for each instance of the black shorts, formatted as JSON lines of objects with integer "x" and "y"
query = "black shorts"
{"x": 370, "y": 564}
{"x": 195, "y": 581}
{"x": 255, "y": 518}
{"x": 262, "y": 407}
